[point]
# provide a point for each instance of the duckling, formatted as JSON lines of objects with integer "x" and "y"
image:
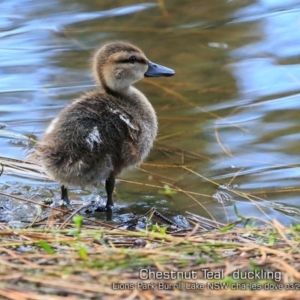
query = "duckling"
{"x": 107, "y": 130}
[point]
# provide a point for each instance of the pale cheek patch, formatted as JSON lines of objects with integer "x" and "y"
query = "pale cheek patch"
{"x": 118, "y": 73}
{"x": 93, "y": 137}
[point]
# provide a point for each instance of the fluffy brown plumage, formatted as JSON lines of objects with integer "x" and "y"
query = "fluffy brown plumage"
{"x": 108, "y": 129}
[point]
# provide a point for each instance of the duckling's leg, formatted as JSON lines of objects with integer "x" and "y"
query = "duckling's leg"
{"x": 64, "y": 195}
{"x": 109, "y": 187}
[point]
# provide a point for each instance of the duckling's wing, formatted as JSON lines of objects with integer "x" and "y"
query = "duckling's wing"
{"x": 124, "y": 119}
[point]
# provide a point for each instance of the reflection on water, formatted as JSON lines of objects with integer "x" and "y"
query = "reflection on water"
{"x": 229, "y": 117}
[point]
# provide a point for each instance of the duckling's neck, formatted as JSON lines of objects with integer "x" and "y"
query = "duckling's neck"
{"x": 116, "y": 88}
{"x": 112, "y": 83}
{"x": 116, "y": 92}
{"x": 133, "y": 98}
{"x": 138, "y": 99}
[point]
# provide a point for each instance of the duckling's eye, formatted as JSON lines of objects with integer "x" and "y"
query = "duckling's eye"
{"x": 132, "y": 59}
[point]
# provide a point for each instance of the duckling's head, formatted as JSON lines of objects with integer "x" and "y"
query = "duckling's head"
{"x": 118, "y": 65}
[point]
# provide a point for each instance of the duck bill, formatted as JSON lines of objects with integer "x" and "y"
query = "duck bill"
{"x": 155, "y": 70}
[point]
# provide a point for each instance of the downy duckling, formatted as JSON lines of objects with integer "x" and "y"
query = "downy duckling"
{"x": 108, "y": 129}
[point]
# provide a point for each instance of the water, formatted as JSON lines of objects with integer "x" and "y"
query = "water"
{"x": 229, "y": 125}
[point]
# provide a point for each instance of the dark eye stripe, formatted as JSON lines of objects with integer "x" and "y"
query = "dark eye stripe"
{"x": 139, "y": 60}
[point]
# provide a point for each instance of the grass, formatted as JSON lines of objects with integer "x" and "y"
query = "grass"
{"x": 83, "y": 261}
{"x": 63, "y": 255}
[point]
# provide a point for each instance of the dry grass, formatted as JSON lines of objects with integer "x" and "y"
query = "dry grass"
{"x": 65, "y": 256}
{"x": 83, "y": 261}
